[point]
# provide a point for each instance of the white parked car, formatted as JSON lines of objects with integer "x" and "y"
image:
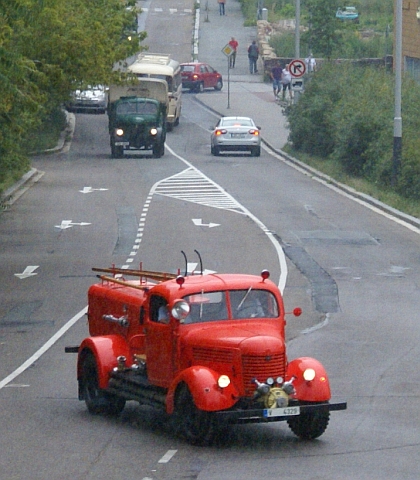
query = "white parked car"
{"x": 93, "y": 99}
{"x": 236, "y": 134}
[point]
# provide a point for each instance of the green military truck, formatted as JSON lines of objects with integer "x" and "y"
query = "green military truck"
{"x": 137, "y": 117}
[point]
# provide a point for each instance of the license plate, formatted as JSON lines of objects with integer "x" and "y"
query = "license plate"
{"x": 237, "y": 135}
{"x": 281, "y": 412}
{"x": 122, "y": 144}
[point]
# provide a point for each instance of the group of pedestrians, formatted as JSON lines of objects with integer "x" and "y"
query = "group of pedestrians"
{"x": 282, "y": 80}
{"x": 253, "y": 54}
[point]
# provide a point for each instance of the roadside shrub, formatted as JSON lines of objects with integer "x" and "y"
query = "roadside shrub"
{"x": 311, "y": 121}
{"x": 361, "y": 116}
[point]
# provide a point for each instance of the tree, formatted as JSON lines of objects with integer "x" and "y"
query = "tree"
{"x": 46, "y": 48}
{"x": 323, "y": 35}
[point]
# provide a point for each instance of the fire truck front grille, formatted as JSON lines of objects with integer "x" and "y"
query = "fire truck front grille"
{"x": 261, "y": 367}
{"x": 204, "y": 355}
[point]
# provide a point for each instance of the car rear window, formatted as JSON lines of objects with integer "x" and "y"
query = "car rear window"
{"x": 233, "y": 122}
{"x": 187, "y": 68}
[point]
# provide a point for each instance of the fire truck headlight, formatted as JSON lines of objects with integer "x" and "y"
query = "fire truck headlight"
{"x": 119, "y": 132}
{"x": 223, "y": 381}
{"x": 180, "y": 309}
{"x": 309, "y": 374}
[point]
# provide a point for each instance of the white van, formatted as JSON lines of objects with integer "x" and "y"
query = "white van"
{"x": 162, "y": 66}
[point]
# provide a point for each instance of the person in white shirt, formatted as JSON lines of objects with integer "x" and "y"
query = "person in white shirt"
{"x": 286, "y": 80}
{"x": 310, "y": 63}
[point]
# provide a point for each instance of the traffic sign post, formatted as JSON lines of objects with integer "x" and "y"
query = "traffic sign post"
{"x": 297, "y": 69}
{"x": 228, "y": 50}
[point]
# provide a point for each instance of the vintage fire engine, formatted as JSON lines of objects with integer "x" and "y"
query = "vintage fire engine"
{"x": 209, "y": 350}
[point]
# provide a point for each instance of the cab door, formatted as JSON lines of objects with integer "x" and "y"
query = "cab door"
{"x": 159, "y": 343}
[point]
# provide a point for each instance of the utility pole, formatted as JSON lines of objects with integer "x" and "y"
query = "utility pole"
{"x": 397, "y": 152}
{"x": 297, "y": 39}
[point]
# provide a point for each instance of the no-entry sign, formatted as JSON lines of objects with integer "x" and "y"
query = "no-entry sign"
{"x": 297, "y": 68}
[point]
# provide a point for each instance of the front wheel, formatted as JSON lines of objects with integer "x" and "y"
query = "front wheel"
{"x": 159, "y": 149}
{"x": 219, "y": 85}
{"x": 116, "y": 151}
{"x": 309, "y": 425}
{"x": 196, "y": 426}
{"x": 97, "y": 401}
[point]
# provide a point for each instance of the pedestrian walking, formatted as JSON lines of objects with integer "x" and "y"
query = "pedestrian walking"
{"x": 286, "y": 81}
{"x": 232, "y": 58}
{"x": 221, "y": 6}
{"x": 310, "y": 63}
{"x": 276, "y": 74}
{"x": 253, "y": 54}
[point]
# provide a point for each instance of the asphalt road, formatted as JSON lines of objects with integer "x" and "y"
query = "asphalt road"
{"x": 90, "y": 210}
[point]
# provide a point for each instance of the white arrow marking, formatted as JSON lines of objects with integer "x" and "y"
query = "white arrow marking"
{"x": 198, "y": 222}
{"x": 68, "y": 224}
{"x": 28, "y": 272}
{"x": 90, "y": 190}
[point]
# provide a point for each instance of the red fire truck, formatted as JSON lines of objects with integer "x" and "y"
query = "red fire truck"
{"x": 209, "y": 350}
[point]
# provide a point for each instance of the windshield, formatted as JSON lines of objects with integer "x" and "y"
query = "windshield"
{"x": 235, "y": 304}
{"x": 142, "y": 108}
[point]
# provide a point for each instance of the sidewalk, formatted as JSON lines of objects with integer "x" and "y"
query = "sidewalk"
{"x": 243, "y": 93}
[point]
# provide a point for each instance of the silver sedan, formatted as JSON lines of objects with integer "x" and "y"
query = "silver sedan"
{"x": 236, "y": 134}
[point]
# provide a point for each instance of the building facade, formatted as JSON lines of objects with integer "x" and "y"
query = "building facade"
{"x": 411, "y": 37}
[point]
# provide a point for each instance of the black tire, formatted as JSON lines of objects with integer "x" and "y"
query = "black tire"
{"x": 216, "y": 151}
{"x": 310, "y": 425}
{"x": 116, "y": 152}
{"x": 256, "y": 151}
{"x": 196, "y": 426}
{"x": 169, "y": 126}
{"x": 159, "y": 149}
{"x": 200, "y": 88}
{"x": 97, "y": 401}
{"x": 219, "y": 85}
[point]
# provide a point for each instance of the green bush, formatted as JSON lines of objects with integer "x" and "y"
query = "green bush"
{"x": 346, "y": 115}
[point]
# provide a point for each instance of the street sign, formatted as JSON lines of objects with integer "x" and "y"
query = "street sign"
{"x": 227, "y": 50}
{"x": 297, "y": 84}
{"x": 297, "y": 68}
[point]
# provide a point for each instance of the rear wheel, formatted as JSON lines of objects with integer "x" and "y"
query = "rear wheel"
{"x": 97, "y": 401}
{"x": 310, "y": 425}
{"x": 200, "y": 88}
{"x": 216, "y": 151}
{"x": 196, "y": 426}
{"x": 256, "y": 151}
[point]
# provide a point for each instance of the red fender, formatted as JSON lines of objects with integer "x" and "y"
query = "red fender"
{"x": 316, "y": 390}
{"x": 207, "y": 395}
{"x": 106, "y": 349}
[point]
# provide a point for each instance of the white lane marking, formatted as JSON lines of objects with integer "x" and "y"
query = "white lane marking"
{"x": 90, "y": 190}
{"x": 198, "y": 222}
{"x": 69, "y": 223}
{"x": 168, "y": 455}
{"x": 31, "y": 360}
{"x": 280, "y": 254}
{"x": 28, "y": 272}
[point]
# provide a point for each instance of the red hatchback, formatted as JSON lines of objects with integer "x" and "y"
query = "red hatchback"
{"x": 198, "y": 76}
